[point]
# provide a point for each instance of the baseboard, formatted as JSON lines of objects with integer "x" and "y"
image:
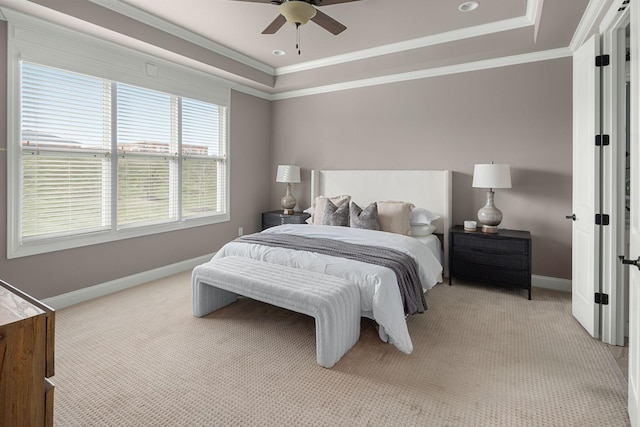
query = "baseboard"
{"x": 547, "y": 282}
{"x": 91, "y": 292}
{"x": 86, "y": 294}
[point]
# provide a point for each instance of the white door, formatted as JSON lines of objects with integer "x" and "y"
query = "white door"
{"x": 634, "y": 251}
{"x": 586, "y": 187}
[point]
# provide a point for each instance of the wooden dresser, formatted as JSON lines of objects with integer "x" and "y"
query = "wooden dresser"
{"x": 26, "y": 359}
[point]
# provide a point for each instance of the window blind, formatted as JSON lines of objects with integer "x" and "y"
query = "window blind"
{"x": 147, "y": 124}
{"x": 204, "y": 158}
{"x": 98, "y": 155}
{"x": 65, "y": 143}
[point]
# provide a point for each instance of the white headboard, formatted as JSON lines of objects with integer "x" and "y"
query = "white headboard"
{"x": 429, "y": 189}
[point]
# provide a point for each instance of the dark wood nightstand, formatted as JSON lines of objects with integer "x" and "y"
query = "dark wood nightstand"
{"x": 503, "y": 258}
{"x": 273, "y": 218}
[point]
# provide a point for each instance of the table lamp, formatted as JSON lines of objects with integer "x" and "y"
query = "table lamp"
{"x": 288, "y": 174}
{"x": 491, "y": 176}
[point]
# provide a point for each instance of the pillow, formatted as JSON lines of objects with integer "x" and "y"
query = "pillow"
{"x": 336, "y": 215}
{"x": 367, "y": 218}
{"x": 320, "y": 201}
{"x": 422, "y": 230}
{"x": 310, "y": 212}
{"x": 395, "y": 217}
{"x": 421, "y": 216}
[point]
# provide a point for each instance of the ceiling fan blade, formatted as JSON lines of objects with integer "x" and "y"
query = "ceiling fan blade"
{"x": 259, "y": 1}
{"x": 327, "y": 2}
{"x": 328, "y": 23}
{"x": 275, "y": 25}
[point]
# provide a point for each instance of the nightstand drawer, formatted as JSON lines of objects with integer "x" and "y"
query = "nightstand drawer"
{"x": 504, "y": 260}
{"x": 490, "y": 274}
{"x": 494, "y": 244}
{"x": 273, "y": 218}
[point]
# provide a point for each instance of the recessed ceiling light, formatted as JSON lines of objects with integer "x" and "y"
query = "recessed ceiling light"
{"x": 279, "y": 52}
{"x": 468, "y": 6}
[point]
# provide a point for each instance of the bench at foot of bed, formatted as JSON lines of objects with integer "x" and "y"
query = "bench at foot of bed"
{"x": 332, "y": 301}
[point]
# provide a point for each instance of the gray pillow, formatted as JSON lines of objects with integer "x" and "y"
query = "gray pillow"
{"x": 333, "y": 215}
{"x": 367, "y": 218}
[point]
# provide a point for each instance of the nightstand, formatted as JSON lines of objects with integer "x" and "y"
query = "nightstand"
{"x": 273, "y": 218}
{"x": 503, "y": 258}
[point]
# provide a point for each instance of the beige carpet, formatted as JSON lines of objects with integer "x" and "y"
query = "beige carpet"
{"x": 483, "y": 357}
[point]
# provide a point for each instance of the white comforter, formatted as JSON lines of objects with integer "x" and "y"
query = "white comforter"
{"x": 379, "y": 292}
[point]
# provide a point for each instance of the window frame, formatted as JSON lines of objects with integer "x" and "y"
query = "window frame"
{"x": 51, "y": 45}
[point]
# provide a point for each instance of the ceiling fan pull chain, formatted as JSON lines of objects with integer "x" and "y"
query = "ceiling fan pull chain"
{"x": 298, "y": 37}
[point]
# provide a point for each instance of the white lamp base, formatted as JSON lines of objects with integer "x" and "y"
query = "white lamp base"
{"x": 489, "y": 216}
{"x": 288, "y": 202}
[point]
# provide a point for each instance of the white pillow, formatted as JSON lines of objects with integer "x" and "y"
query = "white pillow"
{"x": 421, "y": 216}
{"x": 320, "y": 202}
{"x": 395, "y": 217}
{"x": 310, "y": 212}
{"x": 422, "y": 230}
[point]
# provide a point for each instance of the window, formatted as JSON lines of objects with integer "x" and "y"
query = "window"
{"x": 102, "y": 158}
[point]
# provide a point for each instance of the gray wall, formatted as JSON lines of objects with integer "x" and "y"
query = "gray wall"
{"x": 52, "y": 274}
{"x": 518, "y": 114}
{"x": 521, "y": 115}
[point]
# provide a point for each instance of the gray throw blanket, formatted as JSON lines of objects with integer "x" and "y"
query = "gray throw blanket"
{"x": 403, "y": 265}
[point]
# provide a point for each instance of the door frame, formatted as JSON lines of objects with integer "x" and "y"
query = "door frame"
{"x": 613, "y": 123}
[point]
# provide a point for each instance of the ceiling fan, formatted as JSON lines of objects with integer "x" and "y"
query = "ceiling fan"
{"x": 299, "y": 12}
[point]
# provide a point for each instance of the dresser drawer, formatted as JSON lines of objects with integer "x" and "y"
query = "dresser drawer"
{"x": 504, "y": 260}
{"x": 492, "y": 275}
{"x": 492, "y": 244}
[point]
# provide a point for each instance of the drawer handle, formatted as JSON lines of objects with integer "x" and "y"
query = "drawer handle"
{"x": 571, "y": 217}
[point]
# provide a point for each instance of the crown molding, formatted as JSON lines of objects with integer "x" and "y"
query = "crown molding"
{"x": 533, "y": 11}
{"x": 532, "y": 15}
{"x": 446, "y": 37}
{"x": 432, "y": 72}
{"x": 161, "y": 24}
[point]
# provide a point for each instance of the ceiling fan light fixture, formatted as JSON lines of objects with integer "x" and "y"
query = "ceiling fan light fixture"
{"x": 297, "y": 12}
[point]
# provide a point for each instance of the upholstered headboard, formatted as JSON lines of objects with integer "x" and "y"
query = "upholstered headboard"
{"x": 429, "y": 189}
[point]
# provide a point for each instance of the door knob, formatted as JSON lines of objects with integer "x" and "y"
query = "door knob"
{"x": 630, "y": 261}
{"x": 571, "y": 217}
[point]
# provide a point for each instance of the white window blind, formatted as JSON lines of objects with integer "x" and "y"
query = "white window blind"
{"x": 203, "y": 155}
{"x": 147, "y": 123}
{"x": 103, "y": 156}
{"x": 65, "y": 144}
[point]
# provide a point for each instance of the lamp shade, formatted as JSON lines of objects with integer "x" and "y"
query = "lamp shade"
{"x": 288, "y": 173}
{"x": 491, "y": 175}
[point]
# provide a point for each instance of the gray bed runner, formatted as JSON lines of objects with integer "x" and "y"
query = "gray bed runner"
{"x": 403, "y": 265}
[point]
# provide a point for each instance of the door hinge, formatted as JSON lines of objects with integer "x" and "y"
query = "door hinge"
{"x": 602, "y": 140}
{"x": 602, "y": 219}
{"x": 602, "y": 60}
{"x": 602, "y": 298}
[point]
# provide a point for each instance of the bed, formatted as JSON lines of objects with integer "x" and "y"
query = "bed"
{"x": 380, "y": 286}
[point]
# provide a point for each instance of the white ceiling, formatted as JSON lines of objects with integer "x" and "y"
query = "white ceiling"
{"x": 383, "y": 37}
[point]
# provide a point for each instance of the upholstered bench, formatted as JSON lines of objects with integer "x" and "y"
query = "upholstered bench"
{"x": 332, "y": 301}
